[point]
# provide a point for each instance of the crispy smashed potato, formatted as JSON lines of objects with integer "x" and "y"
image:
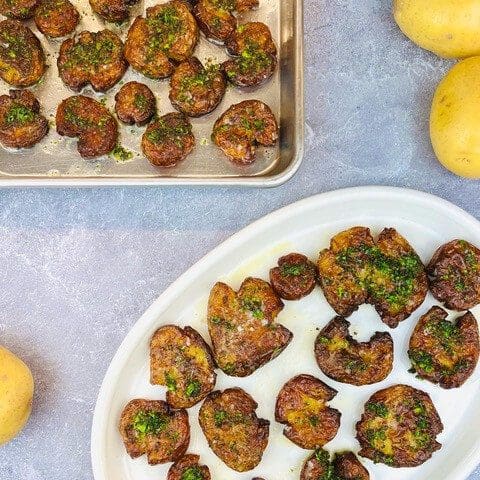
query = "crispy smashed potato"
{"x": 56, "y": 18}
{"x": 188, "y": 468}
{"x": 344, "y": 466}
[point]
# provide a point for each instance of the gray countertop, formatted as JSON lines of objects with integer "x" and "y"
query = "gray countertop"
{"x": 78, "y": 267}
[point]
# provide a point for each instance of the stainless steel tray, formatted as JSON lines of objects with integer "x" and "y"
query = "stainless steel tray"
{"x": 55, "y": 160}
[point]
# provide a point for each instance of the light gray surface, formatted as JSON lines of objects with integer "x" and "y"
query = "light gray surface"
{"x": 78, "y": 267}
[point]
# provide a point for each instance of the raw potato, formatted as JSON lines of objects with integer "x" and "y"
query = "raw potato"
{"x": 445, "y": 27}
{"x": 455, "y": 119}
{"x": 16, "y": 393}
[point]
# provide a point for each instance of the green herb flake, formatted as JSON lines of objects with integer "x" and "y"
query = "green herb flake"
{"x": 377, "y": 408}
{"x": 170, "y": 382}
{"x": 19, "y": 114}
{"x": 149, "y": 422}
{"x": 193, "y": 388}
{"x": 192, "y": 473}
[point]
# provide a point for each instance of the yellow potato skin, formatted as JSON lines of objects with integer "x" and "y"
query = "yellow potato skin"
{"x": 16, "y": 393}
{"x": 455, "y": 119}
{"x": 449, "y": 28}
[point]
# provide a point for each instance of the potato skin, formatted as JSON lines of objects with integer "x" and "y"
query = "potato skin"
{"x": 242, "y": 326}
{"x": 94, "y": 58}
{"x": 243, "y": 126}
{"x": 343, "y": 359}
{"x": 196, "y": 90}
{"x": 455, "y": 119}
{"x": 151, "y": 427}
{"x": 168, "y": 32}
{"x": 444, "y": 352}
{"x": 302, "y": 406}
{"x": 294, "y": 278}
{"x": 387, "y": 273}
{"x": 399, "y": 427}
{"x": 188, "y": 465}
{"x": 168, "y": 140}
{"x": 449, "y": 29}
{"x": 344, "y": 466}
{"x": 21, "y": 124}
{"x": 255, "y": 55}
{"x": 113, "y": 10}
{"x": 18, "y": 9}
{"x": 22, "y": 61}
{"x": 181, "y": 360}
{"x": 135, "y": 104}
{"x": 454, "y": 275}
{"x": 228, "y": 418}
{"x": 87, "y": 119}
{"x": 56, "y": 18}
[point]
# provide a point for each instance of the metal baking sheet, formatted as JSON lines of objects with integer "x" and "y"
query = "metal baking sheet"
{"x": 55, "y": 161}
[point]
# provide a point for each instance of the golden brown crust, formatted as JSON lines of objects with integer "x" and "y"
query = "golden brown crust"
{"x": 387, "y": 273}
{"x": 188, "y": 468}
{"x": 344, "y": 466}
{"x": 242, "y": 326}
{"x": 343, "y": 359}
{"x": 196, "y": 90}
{"x": 21, "y": 124}
{"x": 135, "y": 104}
{"x": 151, "y": 427}
{"x": 113, "y": 10}
{"x": 168, "y": 140}
{"x": 444, "y": 352}
{"x": 94, "y": 58}
{"x": 255, "y": 55}
{"x": 295, "y": 277}
{"x": 454, "y": 274}
{"x": 399, "y": 427}
{"x": 243, "y": 126}
{"x": 22, "y": 61}
{"x": 87, "y": 119}
{"x": 169, "y": 32}
{"x": 216, "y": 17}
{"x": 233, "y": 430}
{"x": 182, "y": 361}
{"x": 18, "y": 9}
{"x": 56, "y": 18}
{"x": 302, "y": 406}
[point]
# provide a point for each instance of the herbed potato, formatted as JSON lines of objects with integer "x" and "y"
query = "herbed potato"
{"x": 302, "y": 406}
{"x": 56, "y": 18}
{"x": 454, "y": 275}
{"x": 151, "y": 427}
{"x": 344, "y": 359}
{"x": 387, "y": 273}
{"x": 18, "y": 9}
{"x": 181, "y": 360}
{"x": 188, "y": 468}
{"x": 233, "y": 430}
{"x": 242, "y": 326}
{"x": 113, "y": 10}
{"x": 442, "y": 351}
{"x": 135, "y": 104}
{"x": 399, "y": 427}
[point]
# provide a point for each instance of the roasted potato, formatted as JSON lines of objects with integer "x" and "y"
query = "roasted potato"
{"x": 56, "y": 18}
{"x": 444, "y": 352}
{"x": 344, "y": 466}
{"x": 169, "y": 32}
{"x": 92, "y": 58}
{"x": 233, "y": 430}
{"x": 242, "y": 326}
{"x": 21, "y": 124}
{"x": 182, "y": 361}
{"x": 302, "y": 406}
{"x": 168, "y": 140}
{"x": 151, "y": 427}
{"x": 342, "y": 358}
{"x": 87, "y": 119}
{"x": 399, "y": 427}
{"x": 242, "y": 127}
{"x": 454, "y": 275}
{"x": 22, "y": 61}
{"x": 216, "y": 17}
{"x": 135, "y": 104}
{"x": 113, "y": 10}
{"x": 255, "y": 55}
{"x": 188, "y": 468}
{"x": 295, "y": 277}
{"x": 18, "y": 9}
{"x": 387, "y": 273}
{"x": 196, "y": 90}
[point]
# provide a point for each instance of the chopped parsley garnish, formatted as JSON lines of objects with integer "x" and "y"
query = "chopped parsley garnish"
{"x": 292, "y": 270}
{"x": 192, "y": 473}
{"x": 149, "y": 422}
{"x": 219, "y": 417}
{"x": 193, "y": 388}
{"x": 421, "y": 360}
{"x": 170, "y": 382}
{"x": 19, "y": 114}
{"x": 254, "y": 306}
{"x": 121, "y": 154}
{"x": 378, "y": 408}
